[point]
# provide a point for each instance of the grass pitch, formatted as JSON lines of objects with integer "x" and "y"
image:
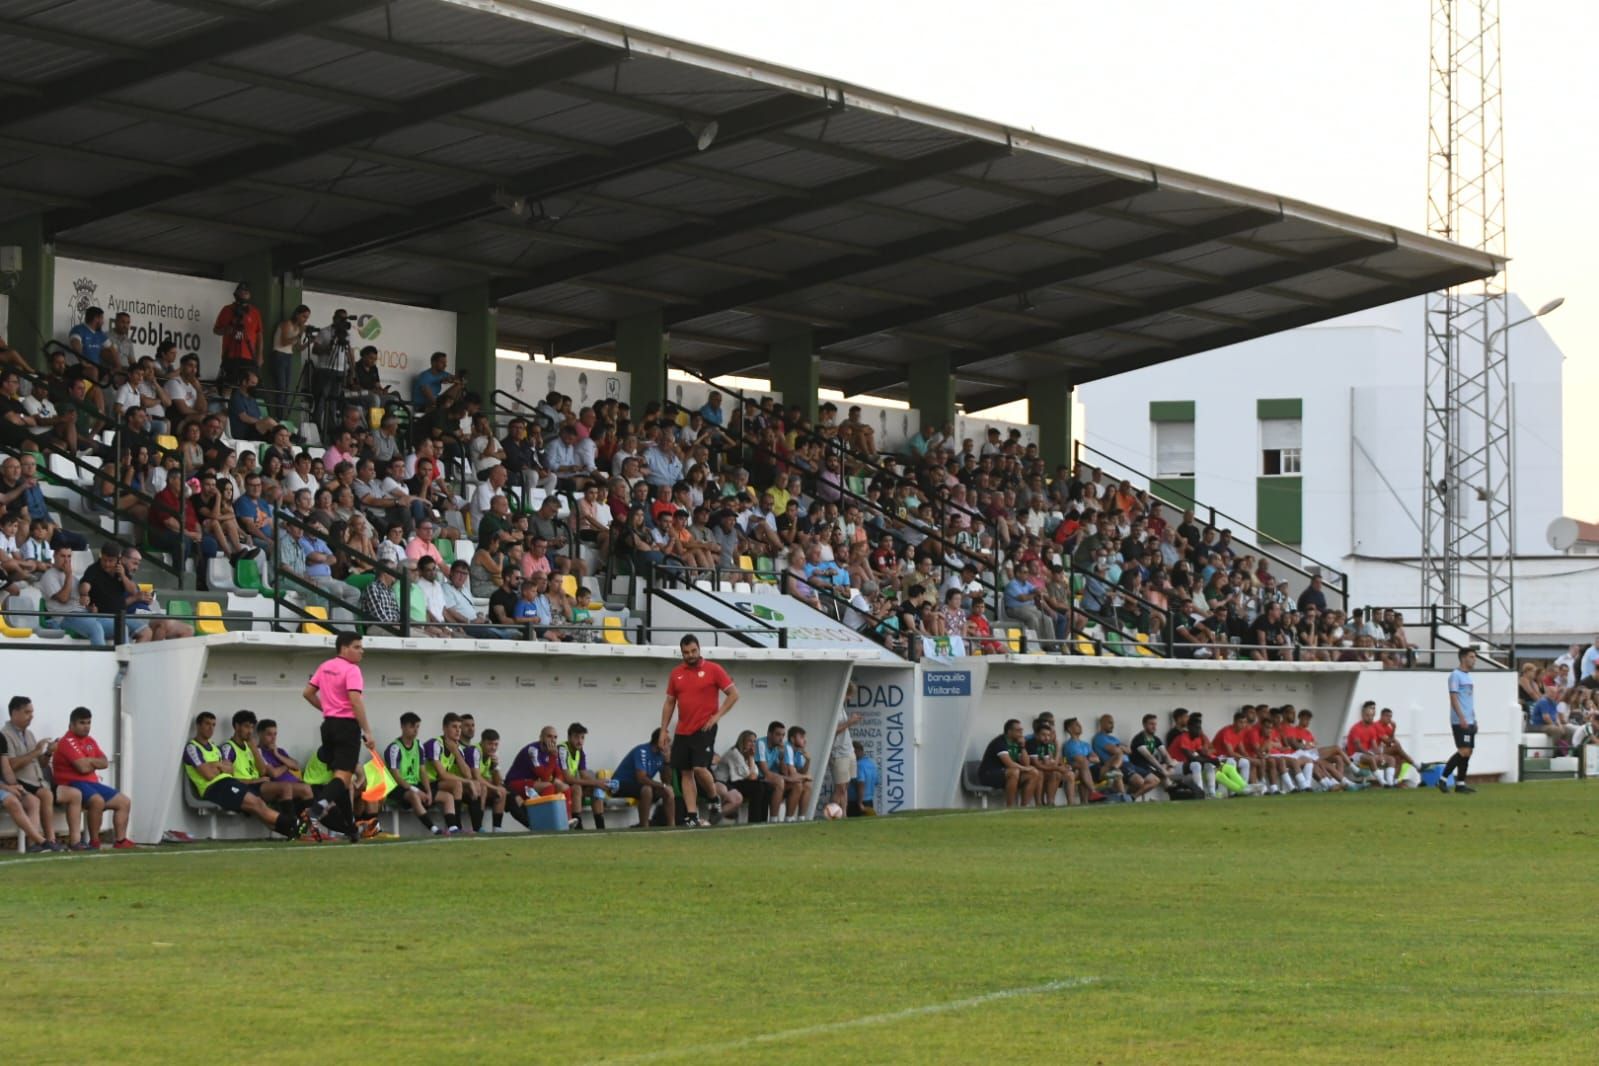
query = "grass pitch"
{"x": 1315, "y": 929}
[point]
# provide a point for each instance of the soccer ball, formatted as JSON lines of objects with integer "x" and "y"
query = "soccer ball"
{"x": 832, "y": 811}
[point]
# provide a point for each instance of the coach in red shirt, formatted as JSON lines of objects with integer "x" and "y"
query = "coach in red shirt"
{"x": 694, "y": 692}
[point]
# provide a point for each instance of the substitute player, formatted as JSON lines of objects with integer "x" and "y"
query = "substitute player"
{"x": 693, "y": 692}
{"x": 337, "y": 690}
{"x": 1463, "y": 720}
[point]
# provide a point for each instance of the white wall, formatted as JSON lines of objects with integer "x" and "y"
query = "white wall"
{"x": 1360, "y": 378}
{"x": 530, "y": 382}
{"x": 406, "y": 337}
{"x": 514, "y": 688}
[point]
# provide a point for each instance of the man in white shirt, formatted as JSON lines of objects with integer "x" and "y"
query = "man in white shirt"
{"x": 138, "y": 392}
{"x": 185, "y": 394}
{"x": 487, "y": 489}
{"x": 563, "y": 459}
{"x": 458, "y": 606}
{"x": 428, "y": 586}
{"x": 759, "y": 523}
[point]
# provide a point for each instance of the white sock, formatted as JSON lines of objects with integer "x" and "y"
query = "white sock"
{"x": 1243, "y": 769}
{"x": 1195, "y": 771}
{"x": 1347, "y": 783}
{"x": 1388, "y": 775}
{"x": 1210, "y": 779}
{"x": 1306, "y": 777}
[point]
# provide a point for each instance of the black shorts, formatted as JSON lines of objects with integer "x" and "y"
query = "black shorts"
{"x": 693, "y": 751}
{"x": 341, "y": 744}
{"x": 227, "y": 794}
{"x": 992, "y": 777}
{"x": 1465, "y": 735}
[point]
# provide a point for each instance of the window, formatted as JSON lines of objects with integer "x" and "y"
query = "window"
{"x": 1174, "y": 449}
{"x": 1280, "y": 440}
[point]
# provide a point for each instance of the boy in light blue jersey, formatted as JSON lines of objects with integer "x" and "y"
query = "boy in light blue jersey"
{"x": 1462, "y": 722}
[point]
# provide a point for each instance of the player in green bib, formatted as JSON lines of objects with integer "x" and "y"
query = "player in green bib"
{"x": 404, "y": 759}
{"x": 586, "y": 783}
{"x": 212, "y": 778}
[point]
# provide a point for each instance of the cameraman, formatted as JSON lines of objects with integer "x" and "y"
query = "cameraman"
{"x": 332, "y": 361}
{"x": 239, "y": 326}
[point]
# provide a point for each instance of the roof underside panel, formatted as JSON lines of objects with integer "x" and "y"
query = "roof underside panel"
{"x": 392, "y": 136}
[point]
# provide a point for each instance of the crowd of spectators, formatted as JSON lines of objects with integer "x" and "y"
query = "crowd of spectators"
{"x": 1560, "y": 698}
{"x": 1263, "y": 751}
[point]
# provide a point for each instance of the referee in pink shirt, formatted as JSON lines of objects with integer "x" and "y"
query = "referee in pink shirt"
{"x": 336, "y": 690}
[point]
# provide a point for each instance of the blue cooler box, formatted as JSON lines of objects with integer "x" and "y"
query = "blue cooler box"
{"x": 547, "y": 813}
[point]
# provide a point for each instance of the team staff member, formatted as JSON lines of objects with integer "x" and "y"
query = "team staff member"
{"x": 1463, "y": 721}
{"x": 27, "y": 756}
{"x": 214, "y": 781}
{"x": 636, "y": 778}
{"x": 337, "y": 689}
{"x": 76, "y": 765}
{"x": 693, "y": 692}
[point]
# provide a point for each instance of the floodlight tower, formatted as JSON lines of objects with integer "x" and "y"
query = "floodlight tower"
{"x": 1466, "y": 532}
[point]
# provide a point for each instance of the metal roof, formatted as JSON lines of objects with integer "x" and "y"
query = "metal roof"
{"x": 365, "y": 142}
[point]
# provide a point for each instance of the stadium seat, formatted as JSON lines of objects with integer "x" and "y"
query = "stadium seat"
{"x": 1143, "y": 646}
{"x": 166, "y": 442}
{"x": 746, "y": 563}
{"x": 569, "y": 584}
{"x": 11, "y": 632}
{"x": 374, "y": 417}
{"x": 972, "y": 786}
{"x": 219, "y": 574}
{"x": 360, "y": 581}
{"x": 1013, "y": 639}
{"x": 446, "y": 548}
{"x": 210, "y": 620}
{"x": 316, "y": 611}
{"x": 613, "y": 633}
{"x": 1084, "y": 646}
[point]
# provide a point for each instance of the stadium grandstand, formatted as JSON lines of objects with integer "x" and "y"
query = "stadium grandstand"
{"x": 256, "y": 466}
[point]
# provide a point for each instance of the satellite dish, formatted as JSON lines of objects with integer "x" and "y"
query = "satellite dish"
{"x": 1564, "y": 533}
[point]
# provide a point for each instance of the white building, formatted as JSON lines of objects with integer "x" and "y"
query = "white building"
{"x": 1314, "y": 436}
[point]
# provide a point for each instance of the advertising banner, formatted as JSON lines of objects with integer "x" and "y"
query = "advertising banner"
{"x": 163, "y": 306}
{"x": 406, "y": 337}
{"x": 885, "y": 698}
{"x": 531, "y": 382}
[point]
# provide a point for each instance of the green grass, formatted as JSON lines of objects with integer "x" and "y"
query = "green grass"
{"x": 1315, "y": 929}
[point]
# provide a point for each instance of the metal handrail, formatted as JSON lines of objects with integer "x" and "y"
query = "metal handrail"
{"x": 1342, "y": 578}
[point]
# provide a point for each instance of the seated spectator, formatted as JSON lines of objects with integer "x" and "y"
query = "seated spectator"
{"x": 1546, "y": 717}
{"x": 23, "y": 806}
{"x": 143, "y": 603}
{"x": 771, "y": 756}
{"x": 740, "y": 780}
{"x": 75, "y": 766}
{"x": 67, "y": 606}
{"x": 378, "y": 600}
{"x": 1005, "y": 766}
{"x": 245, "y": 418}
{"x": 26, "y": 757}
{"x": 547, "y": 523}
{"x": 460, "y": 610}
{"x": 636, "y": 775}
{"x": 213, "y": 779}
{"x": 255, "y": 515}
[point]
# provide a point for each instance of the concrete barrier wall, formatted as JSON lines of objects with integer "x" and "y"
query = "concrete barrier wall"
{"x": 920, "y": 723}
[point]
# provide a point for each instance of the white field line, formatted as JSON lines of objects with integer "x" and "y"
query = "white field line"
{"x": 823, "y": 1028}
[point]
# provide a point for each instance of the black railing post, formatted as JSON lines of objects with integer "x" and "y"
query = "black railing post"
{"x": 782, "y": 637}
{"x": 405, "y": 601}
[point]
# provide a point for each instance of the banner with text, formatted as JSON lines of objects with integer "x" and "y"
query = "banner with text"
{"x": 162, "y": 306}
{"x": 406, "y": 337}
{"x": 885, "y": 698}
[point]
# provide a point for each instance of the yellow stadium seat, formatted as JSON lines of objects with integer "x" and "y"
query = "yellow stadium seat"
{"x": 1143, "y": 648}
{"x": 1013, "y": 638}
{"x": 166, "y": 442}
{"x": 210, "y": 620}
{"x": 611, "y": 629}
{"x": 746, "y": 563}
{"x": 374, "y": 417}
{"x": 1086, "y": 647}
{"x": 569, "y": 584}
{"x": 12, "y": 632}
{"x": 316, "y": 611}
{"x": 682, "y": 418}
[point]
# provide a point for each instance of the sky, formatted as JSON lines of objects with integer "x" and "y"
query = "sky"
{"x": 1323, "y": 102}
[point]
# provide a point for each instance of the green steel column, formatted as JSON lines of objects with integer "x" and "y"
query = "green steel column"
{"x": 641, "y": 354}
{"x": 796, "y": 371}
{"x": 932, "y": 388}
{"x": 31, "y": 299}
{"x": 477, "y": 335}
{"x": 1049, "y": 407}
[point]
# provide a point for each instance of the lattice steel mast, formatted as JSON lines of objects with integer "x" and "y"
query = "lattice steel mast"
{"x": 1466, "y": 539}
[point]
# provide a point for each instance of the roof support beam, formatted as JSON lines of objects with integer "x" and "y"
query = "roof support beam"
{"x": 1175, "y": 300}
{"x": 640, "y": 153}
{"x": 766, "y": 213}
{"x": 250, "y": 29}
{"x": 1277, "y": 323}
{"x": 917, "y": 247}
{"x": 340, "y": 133}
{"x": 1080, "y": 266}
